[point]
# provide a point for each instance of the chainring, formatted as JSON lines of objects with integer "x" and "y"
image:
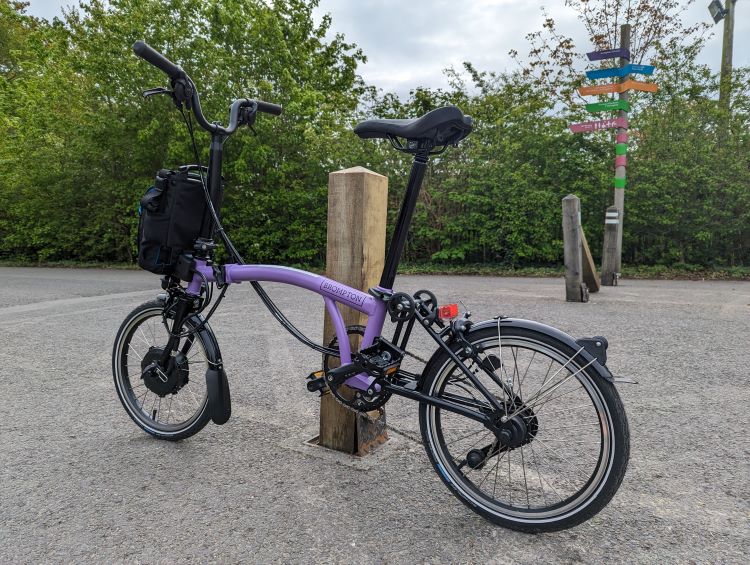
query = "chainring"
{"x": 353, "y": 399}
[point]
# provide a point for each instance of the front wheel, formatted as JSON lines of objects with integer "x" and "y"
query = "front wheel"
{"x": 561, "y": 453}
{"x": 167, "y": 402}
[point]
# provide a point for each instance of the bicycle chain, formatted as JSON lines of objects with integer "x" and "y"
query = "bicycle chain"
{"x": 417, "y": 357}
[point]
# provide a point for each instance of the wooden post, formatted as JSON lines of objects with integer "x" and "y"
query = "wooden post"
{"x": 610, "y": 271}
{"x": 357, "y": 213}
{"x": 575, "y": 289}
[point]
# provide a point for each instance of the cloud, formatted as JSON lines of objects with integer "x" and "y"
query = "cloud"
{"x": 408, "y": 43}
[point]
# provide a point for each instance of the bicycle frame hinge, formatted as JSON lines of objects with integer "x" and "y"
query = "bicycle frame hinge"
{"x": 380, "y": 294}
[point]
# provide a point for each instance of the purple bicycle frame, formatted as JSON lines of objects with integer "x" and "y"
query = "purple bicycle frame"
{"x": 331, "y": 291}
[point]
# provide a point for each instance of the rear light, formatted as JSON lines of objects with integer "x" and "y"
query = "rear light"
{"x": 448, "y": 312}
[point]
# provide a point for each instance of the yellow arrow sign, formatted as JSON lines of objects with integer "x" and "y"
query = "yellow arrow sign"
{"x": 618, "y": 87}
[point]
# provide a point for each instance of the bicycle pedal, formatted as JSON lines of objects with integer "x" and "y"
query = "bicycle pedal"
{"x": 381, "y": 359}
{"x": 316, "y": 382}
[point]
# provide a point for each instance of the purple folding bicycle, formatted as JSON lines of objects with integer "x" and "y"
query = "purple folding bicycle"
{"x": 521, "y": 421}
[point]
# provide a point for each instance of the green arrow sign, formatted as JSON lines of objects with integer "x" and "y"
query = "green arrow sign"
{"x": 606, "y": 106}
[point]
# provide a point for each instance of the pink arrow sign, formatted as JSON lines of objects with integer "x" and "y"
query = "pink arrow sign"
{"x": 585, "y": 127}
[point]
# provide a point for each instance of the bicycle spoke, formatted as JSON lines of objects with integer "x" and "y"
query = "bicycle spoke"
{"x": 486, "y": 432}
{"x": 541, "y": 481}
{"x": 537, "y": 397}
{"x": 494, "y": 486}
{"x": 544, "y": 444}
{"x": 533, "y": 355}
{"x": 510, "y": 485}
{"x": 526, "y": 484}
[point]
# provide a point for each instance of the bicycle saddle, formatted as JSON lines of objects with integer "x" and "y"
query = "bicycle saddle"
{"x": 443, "y": 126}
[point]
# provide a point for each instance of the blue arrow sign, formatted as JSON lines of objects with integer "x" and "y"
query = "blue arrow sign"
{"x": 620, "y": 71}
{"x": 641, "y": 69}
{"x": 609, "y": 54}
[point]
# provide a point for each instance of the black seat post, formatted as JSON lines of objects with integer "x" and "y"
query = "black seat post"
{"x": 214, "y": 180}
{"x": 404, "y": 220}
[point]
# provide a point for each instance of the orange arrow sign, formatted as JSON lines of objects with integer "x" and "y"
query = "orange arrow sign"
{"x": 637, "y": 85}
{"x": 618, "y": 87}
{"x": 600, "y": 89}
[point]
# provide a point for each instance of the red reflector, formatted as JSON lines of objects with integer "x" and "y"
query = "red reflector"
{"x": 448, "y": 312}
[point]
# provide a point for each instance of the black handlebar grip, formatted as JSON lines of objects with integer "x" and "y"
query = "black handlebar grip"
{"x": 269, "y": 108}
{"x": 151, "y": 55}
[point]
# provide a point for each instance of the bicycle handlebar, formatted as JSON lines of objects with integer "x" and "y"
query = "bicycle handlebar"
{"x": 175, "y": 73}
{"x": 269, "y": 108}
{"x": 151, "y": 55}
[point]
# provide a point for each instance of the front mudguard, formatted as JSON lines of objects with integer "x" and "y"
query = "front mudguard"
{"x": 217, "y": 385}
{"x": 594, "y": 349}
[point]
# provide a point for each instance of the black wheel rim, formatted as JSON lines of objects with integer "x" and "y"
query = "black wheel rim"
{"x": 541, "y": 505}
{"x": 172, "y": 413}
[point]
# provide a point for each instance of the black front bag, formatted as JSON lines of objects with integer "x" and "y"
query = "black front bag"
{"x": 173, "y": 216}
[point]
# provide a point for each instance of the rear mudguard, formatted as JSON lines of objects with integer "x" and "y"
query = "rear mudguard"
{"x": 594, "y": 348}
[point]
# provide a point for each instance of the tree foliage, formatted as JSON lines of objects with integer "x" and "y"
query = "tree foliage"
{"x": 79, "y": 145}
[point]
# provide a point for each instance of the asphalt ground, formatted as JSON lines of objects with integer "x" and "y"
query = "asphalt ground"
{"x": 79, "y": 482}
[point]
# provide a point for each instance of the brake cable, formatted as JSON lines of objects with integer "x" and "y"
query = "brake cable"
{"x": 267, "y": 301}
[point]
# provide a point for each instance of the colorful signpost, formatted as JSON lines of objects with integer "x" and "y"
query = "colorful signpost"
{"x": 609, "y": 54}
{"x": 617, "y": 87}
{"x": 611, "y": 123}
{"x": 612, "y": 253}
{"x": 620, "y": 71}
{"x": 607, "y": 106}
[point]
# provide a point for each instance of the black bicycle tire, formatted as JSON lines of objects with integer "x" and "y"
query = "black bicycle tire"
{"x": 196, "y": 424}
{"x": 620, "y": 430}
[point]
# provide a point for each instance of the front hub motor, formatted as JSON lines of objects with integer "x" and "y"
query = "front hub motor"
{"x": 164, "y": 380}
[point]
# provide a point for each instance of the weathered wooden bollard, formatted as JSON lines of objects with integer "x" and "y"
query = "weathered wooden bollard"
{"x": 575, "y": 288}
{"x": 611, "y": 250}
{"x": 357, "y": 214}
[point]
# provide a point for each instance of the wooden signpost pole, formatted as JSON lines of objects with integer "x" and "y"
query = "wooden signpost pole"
{"x": 357, "y": 214}
{"x": 609, "y": 250}
{"x": 609, "y": 276}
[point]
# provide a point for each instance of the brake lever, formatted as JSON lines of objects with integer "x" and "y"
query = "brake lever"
{"x": 155, "y": 91}
{"x": 182, "y": 93}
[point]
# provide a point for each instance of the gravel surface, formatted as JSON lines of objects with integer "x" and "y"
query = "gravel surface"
{"x": 79, "y": 482}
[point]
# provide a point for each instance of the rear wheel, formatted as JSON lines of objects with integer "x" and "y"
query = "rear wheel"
{"x": 561, "y": 452}
{"x": 168, "y": 402}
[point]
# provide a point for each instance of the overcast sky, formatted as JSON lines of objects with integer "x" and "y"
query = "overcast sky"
{"x": 409, "y": 43}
